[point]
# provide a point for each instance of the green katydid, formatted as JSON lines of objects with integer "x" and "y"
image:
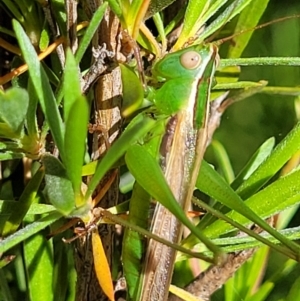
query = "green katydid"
{"x": 185, "y": 97}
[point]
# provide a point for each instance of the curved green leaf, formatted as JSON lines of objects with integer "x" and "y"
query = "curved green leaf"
{"x": 59, "y": 189}
{"x": 149, "y": 175}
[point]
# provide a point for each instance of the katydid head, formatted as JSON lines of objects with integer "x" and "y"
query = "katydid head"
{"x": 183, "y": 71}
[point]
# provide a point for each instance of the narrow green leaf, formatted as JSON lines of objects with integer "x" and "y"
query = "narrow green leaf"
{"x": 259, "y": 156}
{"x": 64, "y": 274}
{"x": 123, "y": 222}
{"x": 233, "y": 223}
{"x": 90, "y": 31}
{"x": 13, "y": 8}
{"x": 117, "y": 150}
{"x": 149, "y": 175}
{"x": 267, "y": 202}
{"x": 130, "y": 11}
{"x": 261, "y": 61}
{"x": 228, "y": 14}
{"x": 22, "y": 206}
{"x": 4, "y": 287}
{"x": 239, "y": 243}
{"x": 71, "y": 84}
{"x": 59, "y": 11}
{"x": 263, "y": 292}
{"x": 133, "y": 242}
{"x": 260, "y": 259}
{"x": 114, "y": 5}
{"x": 157, "y": 19}
{"x": 31, "y": 119}
{"x": 75, "y": 143}
{"x": 194, "y": 11}
{"x": 284, "y": 189}
{"x": 223, "y": 160}
{"x": 271, "y": 165}
{"x": 28, "y": 231}
{"x": 42, "y": 87}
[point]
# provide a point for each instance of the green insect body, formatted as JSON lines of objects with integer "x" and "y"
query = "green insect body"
{"x": 184, "y": 96}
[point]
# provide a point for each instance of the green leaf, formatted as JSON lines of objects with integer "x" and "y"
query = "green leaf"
{"x": 11, "y": 156}
{"x": 28, "y": 231}
{"x": 71, "y": 84}
{"x": 5, "y": 132}
{"x": 149, "y": 175}
{"x": 114, "y": 5}
{"x": 259, "y": 260}
{"x": 31, "y": 120}
{"x": 274, "y": 198}
{"x": 261, "y": 61}
{"x": 21, "y": 208}
{"x": 255, "y": 161}
{"x": 42, "y": 87}
{"x": 38, "y": 253}
{"x": 64, "y": 274}
{"x": 75, "y": 144}
{"x": 133, "y": 92}
{"x": 58, "y": 188}
{"x": 131, "y": 9}
{"x": 228, "y": 14}
{"x": 248, "y": 18}
{"x": 133, "y": 242}
{"x": 283, "y": 189}
{"x": 157, "y": 6}
{"x": 271, "y": 165}
{"x": 223, "y": 160}
{"x": 76, "y": 114}
{"x": 192, "y": 20}
{"x": 118, "y": 149}
{"x": 13, "y": 108}
{"x": 90, "y": 31}
{"x": 294, "y": 291}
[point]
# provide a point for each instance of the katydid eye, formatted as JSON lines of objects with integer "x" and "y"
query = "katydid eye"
{"x": 190, "y": 59}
